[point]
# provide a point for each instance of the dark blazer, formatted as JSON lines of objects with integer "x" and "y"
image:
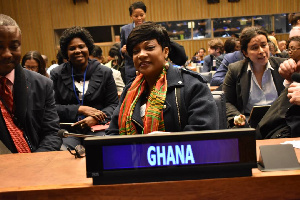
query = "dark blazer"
{"x": 219, "y": 76}
{"x": 237, "y": 86}
{"x": 129, "y": 67}
{"x": 199, "y": 108}
{"x": 34, "y": 106}
{"x": 101, "y": 93}
{"x": 208, "y": 63}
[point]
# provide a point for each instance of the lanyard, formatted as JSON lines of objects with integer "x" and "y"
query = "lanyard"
{"x": 74, "y": 87}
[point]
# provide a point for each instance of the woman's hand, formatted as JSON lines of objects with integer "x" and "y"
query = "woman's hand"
{"x": 90, "y": 111}
{"x": 294, "y": 93}
{"x": 86, "y": 122}
{"x": 239, "y": 120}
{"x": 123, "y": 49}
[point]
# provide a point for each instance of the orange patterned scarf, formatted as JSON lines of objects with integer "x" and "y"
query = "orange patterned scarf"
{"x": 153, "y": 120}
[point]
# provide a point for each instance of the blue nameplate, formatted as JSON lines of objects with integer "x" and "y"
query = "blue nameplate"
{"x": 171, "y": 156}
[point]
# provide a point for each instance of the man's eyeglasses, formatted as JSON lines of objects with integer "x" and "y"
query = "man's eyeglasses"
{"x": 291, "y": 50}
{"x": 79, "y": 151}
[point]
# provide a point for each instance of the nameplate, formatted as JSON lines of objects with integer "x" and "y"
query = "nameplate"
{"x": 171, "y": 156}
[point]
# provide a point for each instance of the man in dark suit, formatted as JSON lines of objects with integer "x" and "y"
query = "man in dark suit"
{"x": 219, "y": 76}
{"x": 215, "y": 49}
{"x": 28, "y": 119}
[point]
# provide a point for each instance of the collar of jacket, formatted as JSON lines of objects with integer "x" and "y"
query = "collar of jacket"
{"x": 96, "y": 77}
{"x": 174, "y": 77}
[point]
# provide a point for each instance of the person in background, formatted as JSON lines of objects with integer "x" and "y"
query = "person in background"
{"x": 201, "y": 54}
{"x": 45, "y": 60}
{"x": 34, "y": 61}
{"x": 185, "y": 102}
{"x": 137, "y": 12}
{"x": 294, "y": 19}
{"x": 28, "y": 119}
{"x": 97, "y": 54}
{"x": 283, "y": 117}
{"x": 282, "y": 45}
{"x": 115, "y": 60}
{"x": 85, "y": 91}
{"x": 60, "y": 60}
{"x": 253, "y": 81}
{"x": 277, "y": 52}
{"x": 272, "y": 33}
{"x": 230, "y": 45}
{"x": 218, "y": 77}
{"x": 215, "y": 49}
{"x": 235, "y": 35}
{"x": 273, "y": 49}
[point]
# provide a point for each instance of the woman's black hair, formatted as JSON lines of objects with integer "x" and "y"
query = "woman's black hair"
{"x": 137, "y": 5}
{"x": 59, "y": 57}
{"x": 35, "y": 55}
{"x": 293, "y": 18}
{"x": 248, "y": 33}
{"x": 75, "y": 32}
{"x": 97, "y": 52}
{"x": 147, "y": 31}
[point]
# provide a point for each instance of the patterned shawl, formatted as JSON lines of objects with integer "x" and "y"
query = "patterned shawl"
{"x": 153, "y": 120}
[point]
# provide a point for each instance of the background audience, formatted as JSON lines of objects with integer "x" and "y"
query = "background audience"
{"x": 97, "y": 54}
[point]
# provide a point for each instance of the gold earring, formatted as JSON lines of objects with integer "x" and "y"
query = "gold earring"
{"x": 167, "y": 65}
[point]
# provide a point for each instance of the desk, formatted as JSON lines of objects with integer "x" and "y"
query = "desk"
{"x": 58, "y": 175}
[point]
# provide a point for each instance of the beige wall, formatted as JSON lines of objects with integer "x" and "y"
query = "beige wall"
{"x": 39, "y": 18}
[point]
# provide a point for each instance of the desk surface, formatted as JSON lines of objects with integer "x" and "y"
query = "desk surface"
{"x": 56, "y": 175}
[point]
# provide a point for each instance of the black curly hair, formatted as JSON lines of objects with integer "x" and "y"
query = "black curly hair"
{"x": 147, "y": 31}
{"x": 75, "y": 32}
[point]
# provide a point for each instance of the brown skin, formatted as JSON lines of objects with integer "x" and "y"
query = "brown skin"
{"x": 10, "y": 49}
{"x": 32, "y": 65}
{"x": 78, "y": 54}
{"x": 149, "y": 59}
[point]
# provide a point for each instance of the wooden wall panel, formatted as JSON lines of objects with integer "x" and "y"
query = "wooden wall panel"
{"x": 39, "y": 18}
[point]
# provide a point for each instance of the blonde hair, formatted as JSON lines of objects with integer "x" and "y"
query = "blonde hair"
{"x": 273, "y": 39}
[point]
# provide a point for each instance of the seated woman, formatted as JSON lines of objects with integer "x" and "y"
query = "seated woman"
{"x": 161, "y": 98}
{"x": 34, "y": 61}
{"x": 85, "y": 90}
{"x": 253, "y": 81}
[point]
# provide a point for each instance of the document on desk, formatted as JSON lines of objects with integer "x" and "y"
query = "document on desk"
{"x": 295, "y": 143}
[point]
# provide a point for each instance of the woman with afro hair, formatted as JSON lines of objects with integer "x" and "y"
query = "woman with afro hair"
{"x": 85, "y": 90}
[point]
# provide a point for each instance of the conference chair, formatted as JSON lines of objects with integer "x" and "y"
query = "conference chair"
{"x": 219, "y": 97}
